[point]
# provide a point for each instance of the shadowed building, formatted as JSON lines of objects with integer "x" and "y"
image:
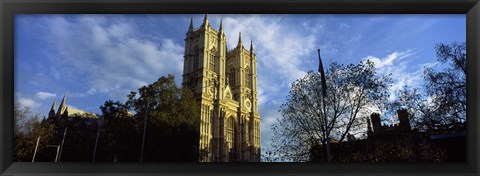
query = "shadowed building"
{"x": 399, "y": 143}
{"x": 65, "y": 111}
{"x": 224, "y": 83}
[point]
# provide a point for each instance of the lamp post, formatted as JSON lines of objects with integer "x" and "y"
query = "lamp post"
{"x": 96, "y": 141}
{"x": 144, "y": 129}
{"x": 215, "y": 144}
{"x": 36, "y": 147}
{"x": 212, "y": 119}
{"x": 61, "y": 147}
{"x": 210, "y": 153}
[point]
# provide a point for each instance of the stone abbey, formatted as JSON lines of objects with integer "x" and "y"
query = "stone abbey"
{"x": 224, "y": 83}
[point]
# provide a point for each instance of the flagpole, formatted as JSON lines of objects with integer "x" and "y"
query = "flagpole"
{"x": 324, "y": 94}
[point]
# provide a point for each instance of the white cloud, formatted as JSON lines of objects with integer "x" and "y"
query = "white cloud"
{"x": 388, "y": 61}
{"x": 281, "y": 50}
{"x": 45, "y": 95}
{"x": 344, "y": 26}
{"x": 109, "y": 56}
{"x": 27, "y": 102}
{"x": 403, "y": 74}
{"x": 92, "y": 91}
{"x": 269, "y": 116}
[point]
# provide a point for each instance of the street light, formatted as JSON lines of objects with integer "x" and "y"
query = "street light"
{"x": 61, "y": 146}
{"x": 36, "y": 147}
{"x": 96, "y": 140}
{"x": 144, "y": 128}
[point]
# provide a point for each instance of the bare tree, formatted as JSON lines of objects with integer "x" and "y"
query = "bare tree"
{"x": 353, "y": 92}
{"x": 421, "y": 109}
{"x": 27, "y": 128}
{"x": 448, "y": 87}
{"x": 444, "y": 100}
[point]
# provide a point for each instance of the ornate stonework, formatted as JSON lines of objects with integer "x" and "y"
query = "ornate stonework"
{"x": 225, "y": 85}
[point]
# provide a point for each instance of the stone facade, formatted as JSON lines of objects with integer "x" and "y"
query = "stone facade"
{"x": 224, "y": 83}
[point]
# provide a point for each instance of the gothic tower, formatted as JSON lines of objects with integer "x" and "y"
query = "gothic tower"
{"x": 225, "y": 86}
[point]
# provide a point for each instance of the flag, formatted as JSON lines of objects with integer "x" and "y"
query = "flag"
{"x": 322, "y": 75}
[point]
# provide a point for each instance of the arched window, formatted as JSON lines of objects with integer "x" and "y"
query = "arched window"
{"x": 195, "y": 59}
{"x": 212, "y": 60}
{"x": 247, "y": 77}
{"x": 231, "y": 77}
{"x": 230, "y": 132}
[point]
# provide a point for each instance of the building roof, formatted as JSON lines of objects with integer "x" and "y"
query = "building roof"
{"x": 70, "y": 110}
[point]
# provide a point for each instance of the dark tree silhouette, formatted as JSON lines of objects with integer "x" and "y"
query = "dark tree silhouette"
{"x": 172, "y": 132}
{"x": 448, "y": 86}
{"x": 80, "y": 137}
{"x": 421, "y": 110}
{"x": 28, "y": 127}
{"x": 444, "y": 100}
{"x": 352, "y": 92}
{"x": 118, "y": 136}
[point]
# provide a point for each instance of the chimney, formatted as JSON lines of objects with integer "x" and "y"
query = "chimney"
{"x": 376, "y": 123}
{"x": 404, "y": 119}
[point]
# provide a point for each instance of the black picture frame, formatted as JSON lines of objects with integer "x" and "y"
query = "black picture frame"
{"x": 9, "y": 8}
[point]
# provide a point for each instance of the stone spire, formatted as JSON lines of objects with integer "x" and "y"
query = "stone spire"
{"x": 221, "y": 28}
{"x": 239, "y": 39}
{"x": 205, "y": 20}
{"x": 190, "y": 28}
{"x": 63, "y": 105}
{"x": 251, "y": 46}
{"x": 51, "y": 113}
{"x": 54, "y": 105}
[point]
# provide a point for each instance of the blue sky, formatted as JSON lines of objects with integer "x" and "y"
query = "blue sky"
{"x": 94, "y": 58}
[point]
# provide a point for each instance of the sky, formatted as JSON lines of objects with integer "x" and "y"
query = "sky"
{"x": 95, "y": 58}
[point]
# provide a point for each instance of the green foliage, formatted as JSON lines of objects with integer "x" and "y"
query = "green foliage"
{"x": 80, "y": 138}
{"x": 27, "y": 129}
{"x": 118, "y": 136}
{"x": 172, "y": 131}
{"x": 172, "y": 127}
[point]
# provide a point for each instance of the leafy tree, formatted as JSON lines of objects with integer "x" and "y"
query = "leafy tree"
{"x": 447, "y": 88}
{"x": 80, "y": 137}
{"x": 28, "y": 127}
{"x": 118, "y": 136}
{"x": 172, "y": 131}
{"x": 352, "y": 91}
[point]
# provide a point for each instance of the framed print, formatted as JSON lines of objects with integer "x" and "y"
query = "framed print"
{"x": 239, "y": 88}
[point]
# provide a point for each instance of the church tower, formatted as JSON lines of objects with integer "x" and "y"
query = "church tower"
{"x": 225, "y": 86}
